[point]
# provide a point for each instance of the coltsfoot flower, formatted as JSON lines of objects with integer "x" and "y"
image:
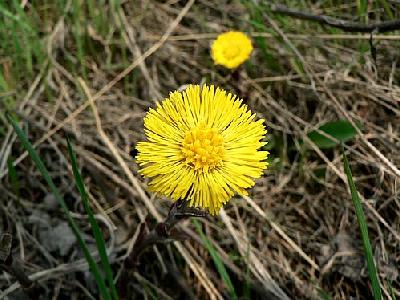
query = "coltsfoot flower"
{"x": 203, "y": 146}
{"x": 231, "y": 49}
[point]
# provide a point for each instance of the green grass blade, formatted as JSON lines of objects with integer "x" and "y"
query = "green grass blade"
{"x": 362, "y": 7}
{"x": 386, "y": 7}
{"x": 45, "y": 173}
{"x": 217, "y": 260}
{"x": 12, "y": 174}
{"x": 101, "y": 245}
{"x": 391, "y": 290}
{"x": 323, "y": 294}
{"x": 15, "y": 18}
{"x": 373, "y": 274}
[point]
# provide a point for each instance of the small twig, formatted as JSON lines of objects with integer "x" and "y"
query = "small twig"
{"x": 372, "y": 47}
{"x": 14, "y": 267}
{"x": 7, "y": 262}
{"x": 344, "y": 25}
{"x": 178, "y": 278}
{"x": 163, "y": 232}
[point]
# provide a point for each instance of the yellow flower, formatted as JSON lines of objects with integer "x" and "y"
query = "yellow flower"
{"x": 203, "y": 146}
{"x": 231, "y": 49}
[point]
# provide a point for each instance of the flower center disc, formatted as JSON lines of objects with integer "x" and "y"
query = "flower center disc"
{"x": 202, "y": 148}
{"x": 231, "y": 52}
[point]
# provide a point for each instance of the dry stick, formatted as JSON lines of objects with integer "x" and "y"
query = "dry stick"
{"x": 146, "y": 282}
{"x": 213, "y": 292}
{"x": 129, "y": 37}
{"x": 199, "y": 272}
{"x": 209, "y": 36}
{"x": 255, "y": 264}
{"x": 344, "y": 25}
{"x": 252, "y": 257}
{"x": 8, "y": 262}
{"x": 116, "y": 154}
{"x": 11, "y": 135}
{"x": 60, "y": 270}
{"x": 108, "y": 86}
{"x": 282, "y": 233}
{"x": 114, "y": 177}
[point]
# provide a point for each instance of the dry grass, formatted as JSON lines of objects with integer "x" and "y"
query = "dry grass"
{"x": 295, "y": 234}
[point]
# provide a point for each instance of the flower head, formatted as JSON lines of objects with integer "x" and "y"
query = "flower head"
{"x": 231, "y": 49}
{"x": 203, "y": 146}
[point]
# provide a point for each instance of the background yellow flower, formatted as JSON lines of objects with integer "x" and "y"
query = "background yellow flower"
{"x": 231, "y": 49}
{"x": 203, "y": 146}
